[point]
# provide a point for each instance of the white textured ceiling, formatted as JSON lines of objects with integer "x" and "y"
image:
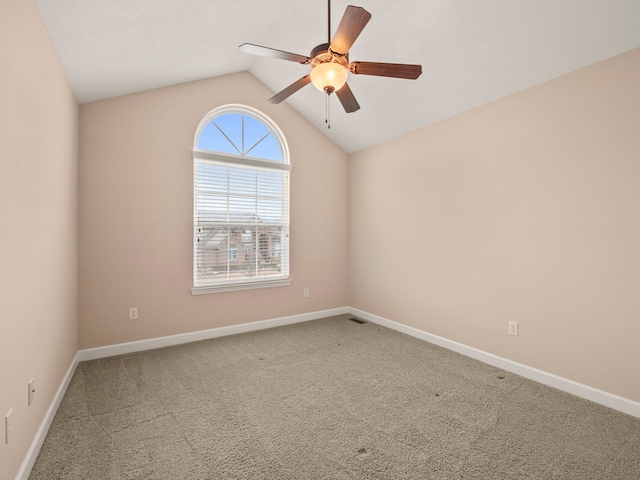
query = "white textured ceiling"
{"x": 471, "y": 51}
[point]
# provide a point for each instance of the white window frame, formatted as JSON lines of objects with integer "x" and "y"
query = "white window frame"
{"x": 244, "y": 161}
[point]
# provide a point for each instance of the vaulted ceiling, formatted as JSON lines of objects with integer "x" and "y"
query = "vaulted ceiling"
{"x": 471, "y": 51}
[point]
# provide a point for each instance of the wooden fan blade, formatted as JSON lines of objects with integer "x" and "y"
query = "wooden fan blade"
{"x": 352, "y": 23}
{"x": 291, "y": 89}
{"x": 396, "y": 70}
{"x": 273, "y": 53}
{"x": 348, "y": 101}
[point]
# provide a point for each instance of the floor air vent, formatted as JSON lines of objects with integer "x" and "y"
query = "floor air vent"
{"x": 357, "y": 320}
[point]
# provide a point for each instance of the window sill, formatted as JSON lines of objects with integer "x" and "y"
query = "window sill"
{"x": 204, "y": 290}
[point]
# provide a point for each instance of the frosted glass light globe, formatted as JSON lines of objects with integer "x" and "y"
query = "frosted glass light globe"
{"x": 329, "y": 76}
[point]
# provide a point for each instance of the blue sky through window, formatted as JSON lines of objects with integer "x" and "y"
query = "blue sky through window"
{"x": 240, "y": 134}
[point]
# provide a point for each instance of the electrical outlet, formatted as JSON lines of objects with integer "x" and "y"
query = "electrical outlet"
{"x": 306, "y": 293}
{"x": 32, "y": 391}
{"x": 513, "y": 328}
{"x": 133, "y": 313}
{"x": 8, "y": 426}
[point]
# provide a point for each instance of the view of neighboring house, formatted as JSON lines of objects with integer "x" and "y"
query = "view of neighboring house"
{"x": 248, "y": 250}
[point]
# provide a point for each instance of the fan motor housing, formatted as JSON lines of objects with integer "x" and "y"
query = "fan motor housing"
{"x": 323, "y": 54}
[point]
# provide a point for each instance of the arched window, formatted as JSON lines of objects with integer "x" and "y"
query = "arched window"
{"x": 241, "y": 197}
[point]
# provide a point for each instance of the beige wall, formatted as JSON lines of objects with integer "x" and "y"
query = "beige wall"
{"x": 525, "y": 209}
{"x": 38, "y": 224}
{"x": 136, "y": 210}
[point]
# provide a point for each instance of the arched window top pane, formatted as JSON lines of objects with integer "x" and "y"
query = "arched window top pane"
{"x": 239, "y": 130}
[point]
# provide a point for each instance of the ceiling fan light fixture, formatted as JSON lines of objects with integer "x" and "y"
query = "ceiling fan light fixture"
{"x": 329, "y": 76}
{"x": 329, "y": 61}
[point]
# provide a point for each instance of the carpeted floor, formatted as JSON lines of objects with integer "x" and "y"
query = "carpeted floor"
{"x": 327, "y": 399}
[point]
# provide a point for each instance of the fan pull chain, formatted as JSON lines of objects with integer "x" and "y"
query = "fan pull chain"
{"x": 327, "y": 114}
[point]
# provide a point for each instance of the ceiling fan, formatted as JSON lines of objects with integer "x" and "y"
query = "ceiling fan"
{"x": 330, "y": 64}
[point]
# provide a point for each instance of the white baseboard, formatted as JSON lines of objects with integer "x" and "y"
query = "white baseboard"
{"x": 41, "y": 434}
{"x": 610, "y": 400}
{"x": 159, "y": 342}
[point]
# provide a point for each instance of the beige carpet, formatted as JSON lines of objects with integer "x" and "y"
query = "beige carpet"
{"x": 328, "y": 399}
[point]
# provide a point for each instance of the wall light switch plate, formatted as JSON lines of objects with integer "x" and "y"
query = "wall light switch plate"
{"x": 133, "y": 313}
{"x": 32, "y": 391}
{"x": 8, "y": 426}
{"x": 513, "y": 328}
